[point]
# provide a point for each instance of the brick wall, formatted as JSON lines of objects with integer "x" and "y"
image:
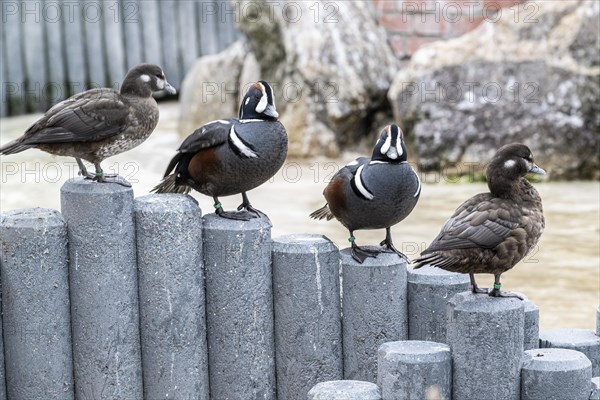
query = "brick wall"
{"x": 414, "y": 23}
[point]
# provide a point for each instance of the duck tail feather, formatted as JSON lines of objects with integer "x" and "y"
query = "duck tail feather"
{"x": 323, "y": 212}
{"x": 170, "y": 185}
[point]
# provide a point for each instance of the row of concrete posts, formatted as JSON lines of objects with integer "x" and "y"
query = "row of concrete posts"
{"x": 123, "y": 298}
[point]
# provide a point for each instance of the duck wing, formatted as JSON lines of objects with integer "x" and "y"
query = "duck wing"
{"x": 212, "y": 134}
{"x": 481, "y": 222}
{"x": 89, "y": 116}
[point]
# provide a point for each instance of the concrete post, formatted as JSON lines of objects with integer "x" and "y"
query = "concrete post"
{"x": 35, "y": 305}
{"x": 555, "y": 374}
{"x": 374, "y": 310}
{"x": 582, "y": 340}
{"x": 486, "y": 337}
{"x": 429, "y": 290}
{"x": 308, "y": 326}
{"x": 172, "y": 302}
{"x": 532, "y": 323}
{"x": 595, "y": 388}
{"x": 345, "y": 390}
{"x": 104, "y": 289}
{"x": 239, "y": 308}
{"x": 414, "y": 369}
{"x": 2, "y": 374}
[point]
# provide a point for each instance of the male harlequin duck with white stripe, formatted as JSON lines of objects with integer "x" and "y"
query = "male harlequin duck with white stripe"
{"x": 491, "y": 232}
{"x": 99, "y": 123}
{"x": 231, "y": 156}
{"x": 373, "y": 193}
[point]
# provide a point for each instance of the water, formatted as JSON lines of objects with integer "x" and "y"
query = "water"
{"x": 561, "y": 276}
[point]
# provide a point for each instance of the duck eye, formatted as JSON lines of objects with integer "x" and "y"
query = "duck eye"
{"x": 160, "y": 75}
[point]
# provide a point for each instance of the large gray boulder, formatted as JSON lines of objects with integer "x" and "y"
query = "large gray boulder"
{"x": 329, "y": 63}
{"x": 533, "y": 76}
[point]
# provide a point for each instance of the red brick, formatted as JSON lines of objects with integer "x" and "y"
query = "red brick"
{"x": 497, "y": 4}
{"x": 415, "y": 43}
{"x": 398, "y": 23}
{"x": 398, "y": 44}
{"x": 429, "y": 24}
{"x": 465, "y": 24}
{"x": 386, "y": 5}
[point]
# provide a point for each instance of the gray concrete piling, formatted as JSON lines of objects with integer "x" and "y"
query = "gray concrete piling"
{"x": 374, "y": 305}
{"x": 103, "y": 288}
{"x": 595, "y": 388}
{"x": 2, "y": 374}
{"x": 171, "y": 295}
{"x": 555, "y": 374}
{"x": 345, "y": 390}
{"x": 429, "y": 290}
{"x": 35, "y": 305}
{"x": 308, "y": 326}
{"x": 583, "y": 340}
{"x": 486, "y": 336}
{"x": 239, "y": 308}
{"x": 426, "y": 365}
{"x": 532, "y": 323}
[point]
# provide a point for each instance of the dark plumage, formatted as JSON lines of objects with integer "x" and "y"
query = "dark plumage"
{"x": 99, "y": 123}
{"x": 491, "y": 232}
{"x": 231, "y": 156}
{"x": 373, "y": 193}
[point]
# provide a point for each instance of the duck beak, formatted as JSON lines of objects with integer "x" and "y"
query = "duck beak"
{"x": 271, "y": 112}
{"x": 537, "y": 170}
{"x": 170, "y": 89}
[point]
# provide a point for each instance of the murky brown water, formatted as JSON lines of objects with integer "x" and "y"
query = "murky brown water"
{"x": 562, "y": 276}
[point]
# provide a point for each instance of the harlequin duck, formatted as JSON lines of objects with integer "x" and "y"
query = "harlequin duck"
{"x": 491, "y": 232}
{"x": 231, "y": 156}
{"x": 99, "y": 123}
{"x": 373, "y": 193}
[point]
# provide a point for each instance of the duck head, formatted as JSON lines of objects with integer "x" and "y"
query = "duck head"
{"x": 510, "y": 163}
{"x": 145, "y": 79}
{"x": 259, "y": 102}
{"x": 390, "y": 146}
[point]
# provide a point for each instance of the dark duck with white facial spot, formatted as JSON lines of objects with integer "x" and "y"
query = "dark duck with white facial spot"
{"x": 491, "y": 232}
{"x": 231, "y": 156}
{"x": 373, "y": 193}
{"x": 99, "y": 123}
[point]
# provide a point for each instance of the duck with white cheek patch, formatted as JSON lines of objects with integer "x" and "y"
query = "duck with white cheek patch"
{"x": 373, "y": 193}
{"x": 231, "y": 156}
{"x": 491, "y": 232}
{"x": 99, "y": 123}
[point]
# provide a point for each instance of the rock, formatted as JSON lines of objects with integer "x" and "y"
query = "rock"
{"x": 330, "y": 78}
{"x": 534, "y": 81}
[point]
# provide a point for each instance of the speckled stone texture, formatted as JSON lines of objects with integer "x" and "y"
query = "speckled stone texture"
{"x": 598, "y": 321}
{"x": 35, "y": 305}
{"x": 2, "y": 374}
{"x": 345, "y": 390}
{"x": 555, "y": 374}
{"x": 429, "y": 290}
{"x": 374, "y": 310}
{"x": 239, "y": 308}
{"x": 414, "y": 369}
{"x": 104, "y": 289}
{"x": 532, "y": 324}
{"x": 172, "y": 302}
{"x": 486, "y": 337}
{"x": 308, "y": 325}
{"x": 595, "y": 388}
{"x": 583, "y": 340}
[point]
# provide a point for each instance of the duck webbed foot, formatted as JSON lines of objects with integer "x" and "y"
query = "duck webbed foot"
{"x": 100, "y": 176}
{"x": 361, "y": 254}
{"x": 388, "y": 246}
{"x": 496, "y": 292}
{"x": 476, "y": 289}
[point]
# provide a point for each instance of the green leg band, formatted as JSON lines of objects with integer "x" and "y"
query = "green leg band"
{"x": 497, "y": 286}
{"x": 351, "y": 239}
{"x": 100, "y": 173}
{"x": 217, "y": 205}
